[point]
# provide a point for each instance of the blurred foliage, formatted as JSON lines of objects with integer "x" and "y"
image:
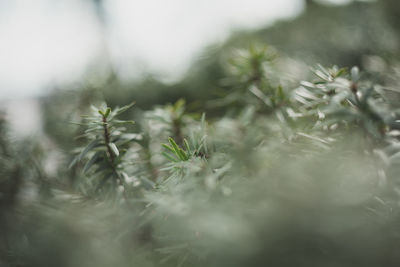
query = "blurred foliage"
{"x": 290, "y": 168}
{"x": 351, "y": 35}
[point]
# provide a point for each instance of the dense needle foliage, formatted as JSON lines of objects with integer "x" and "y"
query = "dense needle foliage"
{"x": 292, "y": 173}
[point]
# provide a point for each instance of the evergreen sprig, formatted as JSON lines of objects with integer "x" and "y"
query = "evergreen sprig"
{"x": 107, "y": 145}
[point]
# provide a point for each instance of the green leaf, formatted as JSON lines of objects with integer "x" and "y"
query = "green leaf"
{"x": 280, "y": 93}
{"x": 187, "y": 146}
{"x": 179, "y": 104}
{"x": 89, "y": 147}
{"x": 174, "y": 145}
{"x": 114, "y": 149}
{"x": 122, "y": 122}
{"x": 355, "y": 74}
{"x": 341, "y": 72}
{"x": 169, "y": 157}
{"x": 183, "y": 154}
{"x": 91, "y": 161}
{"x": 107, "y": 112}
{"x": 124, "y": 108}
{"x": 168, "y": 148}
{"x": 179, "y": 152}
{"x": 73, "y": 162}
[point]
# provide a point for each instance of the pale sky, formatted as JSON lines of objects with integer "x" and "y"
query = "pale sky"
{"x": 47, "y": 42}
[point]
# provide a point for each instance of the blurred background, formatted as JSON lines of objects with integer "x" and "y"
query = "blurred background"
{"x": 57, "y": 54}
{"x": 282, "y": 171}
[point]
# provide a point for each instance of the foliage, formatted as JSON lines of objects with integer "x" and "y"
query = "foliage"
{"x": 106, "y": 150}
{"x": 292, "y": 174}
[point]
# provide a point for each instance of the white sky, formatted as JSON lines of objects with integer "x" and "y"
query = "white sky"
{"x": 46, "y": 42}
